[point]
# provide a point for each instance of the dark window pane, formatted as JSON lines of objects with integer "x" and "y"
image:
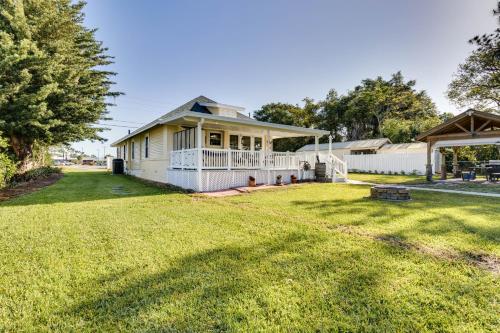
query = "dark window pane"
{"x": 215, "y": 139}
{"x": 233, "y": 142}
{"x": 245, "y": 143}
{"x": 258, "y": 143}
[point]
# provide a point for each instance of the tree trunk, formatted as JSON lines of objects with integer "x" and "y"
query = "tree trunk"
{"x": 23, "y": 151}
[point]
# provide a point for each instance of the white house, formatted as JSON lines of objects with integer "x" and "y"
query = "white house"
{"x": 205, "y": 146}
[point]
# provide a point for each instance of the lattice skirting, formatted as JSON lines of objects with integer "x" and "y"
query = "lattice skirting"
{"x": 214, "y": 180}
{"x": 187, "y": 179}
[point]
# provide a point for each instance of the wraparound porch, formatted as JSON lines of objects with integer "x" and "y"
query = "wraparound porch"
{"x": 208, "y": 169}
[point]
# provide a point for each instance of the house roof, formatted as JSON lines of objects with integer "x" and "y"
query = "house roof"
{"x": 403, "y": 146}
{"x": 465, "y": 124}
{"x": 186, "y": 111}
{"x": 352, "y": 145}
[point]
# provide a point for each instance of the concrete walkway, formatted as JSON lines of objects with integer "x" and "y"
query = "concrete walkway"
{"x": 413, "y": 187}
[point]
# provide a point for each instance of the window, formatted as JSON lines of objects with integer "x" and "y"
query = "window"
{"x": 245, "y": 143}
{"x": 133, "y": 150}
{"x": 215, "y": 139}
{"x": 146, "y": 147}
{"x": 258, "y": 143}
{"x": 233, "y": 141}
{"x": 185, "y": 139}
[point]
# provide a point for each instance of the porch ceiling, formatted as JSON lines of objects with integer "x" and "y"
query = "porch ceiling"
{"x": 248, "y": 126}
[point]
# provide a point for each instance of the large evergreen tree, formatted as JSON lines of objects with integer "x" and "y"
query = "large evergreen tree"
{"x": 53, "y": 85}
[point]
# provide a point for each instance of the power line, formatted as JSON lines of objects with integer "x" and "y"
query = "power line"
{"x": 114, "y": 125}
{"x": 123, "y": 121}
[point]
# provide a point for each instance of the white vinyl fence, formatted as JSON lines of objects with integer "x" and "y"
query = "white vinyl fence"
{"x": 393, "y": 162}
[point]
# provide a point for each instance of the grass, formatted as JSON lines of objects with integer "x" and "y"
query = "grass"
{"x": 388, "y": 179}
{"x": 96, "y": 252}
{"x": 420, "y": 180}
{"x": 469, "y": 187}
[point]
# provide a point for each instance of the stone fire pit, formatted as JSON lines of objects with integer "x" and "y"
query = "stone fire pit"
{"x": 389, "y": 192}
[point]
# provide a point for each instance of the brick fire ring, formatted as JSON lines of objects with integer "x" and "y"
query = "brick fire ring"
{"x": 390, "y": 193}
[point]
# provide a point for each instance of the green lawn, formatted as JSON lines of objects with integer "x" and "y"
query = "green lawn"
{"x": 468, "y": 186}
{"x": 420, "y": 180}
{"x": 96, "y": 252}
{"x": 387, "y": 179}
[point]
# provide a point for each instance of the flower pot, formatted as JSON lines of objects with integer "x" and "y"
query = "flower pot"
{"x": 279, "y": 180}
{"x": 293, "y": 179}
{"x": 251, "y": 182}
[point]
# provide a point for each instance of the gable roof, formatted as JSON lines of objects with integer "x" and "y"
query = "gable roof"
{"x": 188, "y": 110}
{"x": 188, "y": 106}
{"x": 462, "y": 123}
{"x": 352, "y": 145}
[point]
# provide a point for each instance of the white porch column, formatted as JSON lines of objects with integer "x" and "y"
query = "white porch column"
{"x": 316, "y": 147}
{"x": 330, "y": 139}
{"x": 266, "y": 158}
{"x": 199, "y": 153}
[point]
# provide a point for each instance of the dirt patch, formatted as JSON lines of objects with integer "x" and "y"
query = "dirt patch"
{"x": 481, "y": 260}
{"x": 29, "y": 187}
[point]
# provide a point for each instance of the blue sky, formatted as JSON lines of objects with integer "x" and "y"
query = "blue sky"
{"x": 249, "y": 53}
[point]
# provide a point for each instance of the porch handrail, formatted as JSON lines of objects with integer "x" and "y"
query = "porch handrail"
{"x": 217, "y": 158}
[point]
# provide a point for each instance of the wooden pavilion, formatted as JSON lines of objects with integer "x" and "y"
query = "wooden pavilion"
{"x": 470, "y": 128}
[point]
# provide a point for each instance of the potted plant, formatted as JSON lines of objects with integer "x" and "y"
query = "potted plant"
{"x": 293, "y": 179}
{"x": 251, "y": 181}
{"x": 279, "y": 180}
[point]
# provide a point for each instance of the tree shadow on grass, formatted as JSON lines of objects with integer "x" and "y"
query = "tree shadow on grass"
{"x": 225, "y": 288}
{"x": 90, "y": 186}
{"x": 275, "y": 284}
{"x": 423, "y": 216}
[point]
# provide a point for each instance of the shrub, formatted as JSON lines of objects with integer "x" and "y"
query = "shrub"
{"x": 389, "y": 172}
{"x": 382, "y": 172}
{"x": 33, "y": 174}
{"x": 403, "y": 172}
{"x": 7, "y": 170}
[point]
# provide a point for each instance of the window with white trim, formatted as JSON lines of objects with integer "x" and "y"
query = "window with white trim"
{"x": 215, "y": 139}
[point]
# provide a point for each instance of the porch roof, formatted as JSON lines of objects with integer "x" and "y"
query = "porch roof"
{"x": 191, "y": 118}
{"x": 471, "y": 124}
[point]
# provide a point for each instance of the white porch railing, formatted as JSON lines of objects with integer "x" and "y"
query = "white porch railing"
{"x": 238, "y": 159}
{"x": 226, "y": 159}
{"x": 336, "y": 168}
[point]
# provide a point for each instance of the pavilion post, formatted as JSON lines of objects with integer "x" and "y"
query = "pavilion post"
{"x": 443, "y": 163}
{"x": 428, "y": 166}
{"x": 456, "y": 172}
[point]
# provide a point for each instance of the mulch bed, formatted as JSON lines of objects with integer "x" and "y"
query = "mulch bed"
{"x": 29, "y": 187}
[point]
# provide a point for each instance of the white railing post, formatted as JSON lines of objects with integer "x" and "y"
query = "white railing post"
{"x": 229, "y": 159}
